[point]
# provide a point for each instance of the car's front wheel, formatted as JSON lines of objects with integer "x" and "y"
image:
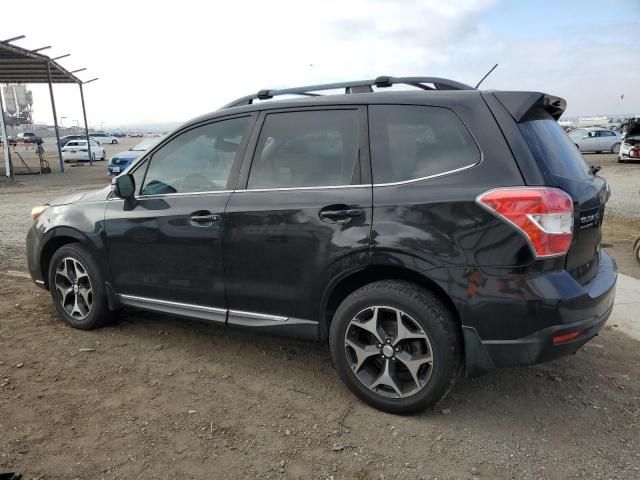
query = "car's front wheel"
{"x": 114, "y": 141}
{"x": 77, "y": 287}
{"x": 396, "y": 346}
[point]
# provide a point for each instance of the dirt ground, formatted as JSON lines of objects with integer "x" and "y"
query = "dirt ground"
{"x": 157, "y": 397}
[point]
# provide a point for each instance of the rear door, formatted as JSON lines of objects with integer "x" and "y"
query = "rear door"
{"x": 555, "y": 153}
{"x": 300, "y": 216}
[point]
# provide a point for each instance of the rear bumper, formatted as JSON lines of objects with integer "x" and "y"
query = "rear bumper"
{"x": 568, "y": 308}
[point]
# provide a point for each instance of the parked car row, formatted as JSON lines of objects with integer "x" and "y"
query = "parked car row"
{"x": 98, "y": 137}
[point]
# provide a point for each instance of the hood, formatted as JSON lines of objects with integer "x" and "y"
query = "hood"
{"x": 633, "y": 130}
{"x": 128, "y": 155}
{"x": 91, "y": 196}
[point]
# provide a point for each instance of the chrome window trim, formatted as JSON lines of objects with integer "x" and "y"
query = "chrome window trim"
{"x": 178, "y": 194}
{"x": 390, "y": 184}
{"x": 322, "y": 187}
{"x": 286, "y": 189}
{"x": 428, "y": 177}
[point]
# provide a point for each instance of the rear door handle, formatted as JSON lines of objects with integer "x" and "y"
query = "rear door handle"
{"x": 203, "y": 218}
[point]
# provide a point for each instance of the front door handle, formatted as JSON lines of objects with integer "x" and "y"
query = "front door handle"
{"x": 203, "y": 218}
{"x": 339, "y": 213}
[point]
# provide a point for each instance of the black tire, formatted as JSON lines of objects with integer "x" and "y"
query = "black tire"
{"x": 114, "y": 141}
{"x": 636, "y": 250}
{"x": 430, "y": 314}
{"x": 615, "y": 148}
{"x": 99, "y": 312}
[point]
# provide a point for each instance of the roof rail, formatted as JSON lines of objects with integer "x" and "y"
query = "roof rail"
{"x": 357, "y": 86}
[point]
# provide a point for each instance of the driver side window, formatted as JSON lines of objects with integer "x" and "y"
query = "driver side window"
{"x": 198, "y": 160}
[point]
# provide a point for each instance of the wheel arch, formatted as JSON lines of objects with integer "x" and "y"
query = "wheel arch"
{"x": 56, "y": 239}
{"x": 344, "y": 286}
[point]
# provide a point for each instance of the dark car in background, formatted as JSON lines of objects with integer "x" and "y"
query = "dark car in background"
{"x": 67, "y": 138}
{"x": 418, "y": 233}
{"x": 28, "y": 137}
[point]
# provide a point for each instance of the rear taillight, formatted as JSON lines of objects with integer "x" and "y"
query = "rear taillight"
{"x": 544, "y": 215}
{"x": 635, "y": 153}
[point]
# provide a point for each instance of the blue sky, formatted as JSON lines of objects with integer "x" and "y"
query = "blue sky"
{"x": 170, "y": 64}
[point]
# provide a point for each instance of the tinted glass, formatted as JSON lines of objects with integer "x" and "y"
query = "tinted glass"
{"x": 552, "y": 147}
{"x": 199, "y": 160}
{"x": 410, "y": 142}
{"x": 306, "y": 149}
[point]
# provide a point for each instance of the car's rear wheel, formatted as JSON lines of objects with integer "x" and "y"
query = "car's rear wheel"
{"x": 77, "y": 287}
{"x": 636, "y": 250}
{"x": 114, "y": 141}
{"x": 396, "y": 346}
{"x": 615, "y": 148}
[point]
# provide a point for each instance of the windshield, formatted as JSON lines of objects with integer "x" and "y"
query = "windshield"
{"x": 144, "y": 145}
{"x": 552, "y": 147}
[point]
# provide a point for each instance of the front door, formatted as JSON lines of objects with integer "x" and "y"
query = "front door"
{"x": 300, "y": 217}
{"x": 165, "y": 247}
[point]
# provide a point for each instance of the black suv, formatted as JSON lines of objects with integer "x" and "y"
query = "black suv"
{"x": 419, "y": 233}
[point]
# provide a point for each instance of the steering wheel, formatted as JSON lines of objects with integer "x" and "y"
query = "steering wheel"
{"x": 195, "y": 182}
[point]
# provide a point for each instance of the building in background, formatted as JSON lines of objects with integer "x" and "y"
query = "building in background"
{"x": 18, "y": 104}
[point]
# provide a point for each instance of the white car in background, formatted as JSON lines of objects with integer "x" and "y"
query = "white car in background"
{"x": 630, "y": 149}
{"x": 77, "y": 151}
{"x": 596, "y": 140}
{"x": 103, "y": 138}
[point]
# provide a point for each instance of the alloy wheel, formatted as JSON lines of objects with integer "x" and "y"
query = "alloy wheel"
{"x": 73, "y": 288}
{"x": 388, "y": 351}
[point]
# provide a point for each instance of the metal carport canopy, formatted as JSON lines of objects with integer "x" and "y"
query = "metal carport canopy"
{"x": 20, "y": 65}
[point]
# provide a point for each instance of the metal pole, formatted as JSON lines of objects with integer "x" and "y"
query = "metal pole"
{"x": 55, "y": 117}
{"x": 5, "y": 140}
{"x": 86, "y": 128}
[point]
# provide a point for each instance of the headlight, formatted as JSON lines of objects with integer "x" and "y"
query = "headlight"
{"x": 37, "y": 211}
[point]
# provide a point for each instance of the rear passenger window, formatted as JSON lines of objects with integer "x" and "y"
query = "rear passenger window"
{"x": 411, "y": 142}
{"x": 306, "y": 149}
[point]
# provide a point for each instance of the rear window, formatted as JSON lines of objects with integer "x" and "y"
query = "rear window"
{"x": 551, "y": 146}
{"x": 411, "y": 142}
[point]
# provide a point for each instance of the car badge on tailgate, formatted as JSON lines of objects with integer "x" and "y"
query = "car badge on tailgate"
{"x": 589, "y": 220}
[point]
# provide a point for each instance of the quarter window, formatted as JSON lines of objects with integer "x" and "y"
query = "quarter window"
{"x": 411, "y": 142}
{"x": 198, "y": 160}
{"x": 306, "y": 149}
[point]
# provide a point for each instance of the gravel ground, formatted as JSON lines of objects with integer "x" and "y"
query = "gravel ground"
{"x": 156, "y": 397}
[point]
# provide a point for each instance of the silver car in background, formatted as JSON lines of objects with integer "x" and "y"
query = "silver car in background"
{"x": 596, "y": 140}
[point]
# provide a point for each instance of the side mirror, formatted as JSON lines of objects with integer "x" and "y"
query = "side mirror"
{"x": 124, "y": 186}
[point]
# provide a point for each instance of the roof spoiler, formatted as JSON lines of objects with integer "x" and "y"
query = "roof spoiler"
{"x": 519, "y": 104}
